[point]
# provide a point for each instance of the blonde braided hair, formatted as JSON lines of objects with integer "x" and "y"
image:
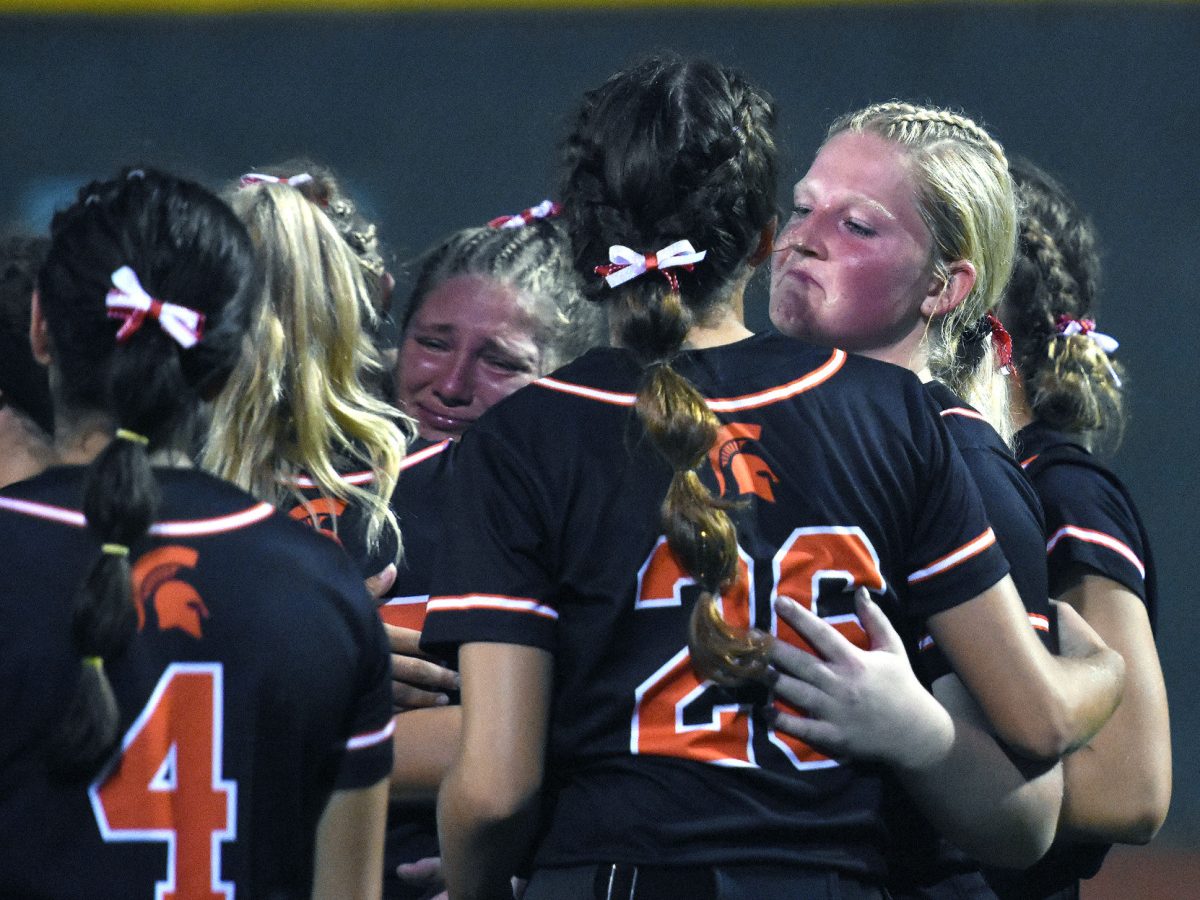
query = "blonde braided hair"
{"x": 965, "y": 197}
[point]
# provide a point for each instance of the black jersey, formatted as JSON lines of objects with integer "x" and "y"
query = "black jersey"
{"x": 345, "y": 522}
{"x": 923, "y": 863}
{"x": 842, "y": 476}
{"x": 417, "y": 502}
{"x": 257, "y": 684}
{"x": 1012, "y": 507}
{"x": 1091, "y": 521}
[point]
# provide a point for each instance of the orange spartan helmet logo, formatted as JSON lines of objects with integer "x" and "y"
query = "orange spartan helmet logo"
{"x": 320, "y": 513}
{"x": 731, "y": 461}
{"x": 176, "y": 603}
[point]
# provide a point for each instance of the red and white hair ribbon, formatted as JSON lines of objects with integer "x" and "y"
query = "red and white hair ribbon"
{"x": 1002, "y": 341}
{"x": 625, "y": 264}
{"x": 1068, "y": 326}
{"x": 129, "y": 301}
{"x": 545, "y": 210}
{"x": 258, "y": 178}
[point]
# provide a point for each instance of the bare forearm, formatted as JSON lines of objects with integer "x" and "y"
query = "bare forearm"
{"x": 998, "y": 809}
{"x": 348, "y": 861}
{"x": 424, "y": 746}
{"x": 1041, "y": 706}
{"x": 482, "y": 847}
{"x": 1118, "y": 787}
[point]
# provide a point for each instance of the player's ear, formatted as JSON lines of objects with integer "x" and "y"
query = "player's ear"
{"x": 948, "y": 287}
{"x": 39, "y": 332}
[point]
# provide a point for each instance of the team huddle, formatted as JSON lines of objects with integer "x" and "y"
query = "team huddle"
{"x": 584, "y": 590}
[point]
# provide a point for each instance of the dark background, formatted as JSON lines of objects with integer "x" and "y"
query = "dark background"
{"x": 436, "y": 121}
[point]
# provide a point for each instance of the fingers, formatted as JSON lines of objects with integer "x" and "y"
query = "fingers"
{"x": 423, "y": 675}
{"x": 425, "y": 872}
{"x": 825, "y": 640}
{"x": 381, "y": 582}
{"x": 877, "y": 625}
{"x": 405, "y": 641}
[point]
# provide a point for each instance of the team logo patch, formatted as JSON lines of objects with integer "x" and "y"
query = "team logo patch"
{"x": 164, "y": 601}
{"x": 321, "y": 513}
{"x": 737, "y": 467}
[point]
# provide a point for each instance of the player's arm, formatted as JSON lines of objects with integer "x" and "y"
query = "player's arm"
{"x": 1118, "y": 786}
{"x": 868, "y": 704}
{"x": 1041, "y": 705}
{"x": 348, "y": 859}
{"x": 423, "y": 747}
{"x": 487, "y": 807}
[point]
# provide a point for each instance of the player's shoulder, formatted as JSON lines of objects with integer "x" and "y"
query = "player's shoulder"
{"x": 968, "y": 427}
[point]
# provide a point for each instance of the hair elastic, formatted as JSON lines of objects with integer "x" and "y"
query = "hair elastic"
{"x": 625, "y": 264}
{"x": 114, "y": 549}
{"x": 547, "y": 209}
{"x": 128, "y": 301}
{"x": 124, "y": 434}
{"x": 96, "y": 662}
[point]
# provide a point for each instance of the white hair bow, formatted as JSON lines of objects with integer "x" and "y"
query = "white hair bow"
{"x": 626, "y": 264}
{"x": 258, "y": 178}
{"x": 1087, "y": 327}
{"x": 128, "y": 300}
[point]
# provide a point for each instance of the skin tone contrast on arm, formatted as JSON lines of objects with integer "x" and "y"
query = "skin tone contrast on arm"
{"x": 1042, "y": 706}
{"x": 487, "y": 808}
{"x": 868, "y": 704}
{"x": 348, "y": 862}
{"x": 1118, "y": 786}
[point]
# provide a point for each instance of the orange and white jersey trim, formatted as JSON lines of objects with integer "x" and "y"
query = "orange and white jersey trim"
{"x": 371, "y": 738}
{"x": 957, "y": 557}
{"x": 965, "y": 411}
{"x": 182, "y": 528}
{"x": 1100, "y": 539}
{"x": 491, "y": 601}
{"x": 807, "y": 382}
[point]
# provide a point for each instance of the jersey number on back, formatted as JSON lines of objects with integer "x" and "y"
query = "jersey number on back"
{"x": 678, "y": 714}
{"x": 168, "y": 786}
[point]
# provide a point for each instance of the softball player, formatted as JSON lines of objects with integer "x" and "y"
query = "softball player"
{"x": 194, "y": 688}
{"x": 609, "y": 640}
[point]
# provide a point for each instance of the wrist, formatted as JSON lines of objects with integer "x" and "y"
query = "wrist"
{"x": 930, "y": 739}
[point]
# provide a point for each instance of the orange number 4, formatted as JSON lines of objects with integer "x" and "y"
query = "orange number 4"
{"x": 168, "y": 785}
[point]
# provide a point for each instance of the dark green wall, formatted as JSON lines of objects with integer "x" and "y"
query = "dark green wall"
{"x": 438, "y": 121}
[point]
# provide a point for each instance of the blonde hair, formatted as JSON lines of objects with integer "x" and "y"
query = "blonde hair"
{"x": 297, "y": 403}
{"x": 965, "y": 196}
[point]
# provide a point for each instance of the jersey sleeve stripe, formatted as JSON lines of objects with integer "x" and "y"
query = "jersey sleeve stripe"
{"x": 486, "y": 601}
{"x": 421, "y": 455}
{"x": 732, "y": 404}
{"x": 963, "y": 411}
{"x": 957, "y": 557}
{"x": 371, "y": 738}
{"x": 1095, "y": 537}
{"x": 1025, "y": 463}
